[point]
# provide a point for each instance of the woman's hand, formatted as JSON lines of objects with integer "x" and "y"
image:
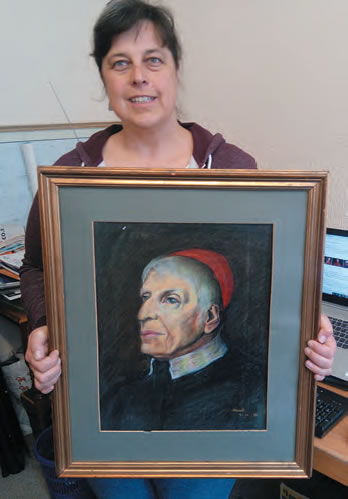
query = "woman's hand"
{"x": 320, "y": 352}
{"x": 45, "y": 367}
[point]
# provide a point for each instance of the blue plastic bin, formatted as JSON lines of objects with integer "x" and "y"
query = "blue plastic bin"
{"x": 59, "y": 488}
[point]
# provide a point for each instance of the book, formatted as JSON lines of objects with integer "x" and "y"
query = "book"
{"x": 11, "y": 253}
{"x": 9, "y": 273}
{"x": 11, "y": 234}
{"x": 12, "y": 261}
{"x": 8, "y": 282}
{"x": 11, "y": 294}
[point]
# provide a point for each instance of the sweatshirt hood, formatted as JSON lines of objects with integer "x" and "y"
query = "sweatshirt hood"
{"x": 208, "y": 150}
{"x": 205, "y": 143}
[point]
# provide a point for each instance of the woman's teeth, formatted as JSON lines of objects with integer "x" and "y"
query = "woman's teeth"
{"x": 140, "y": 100}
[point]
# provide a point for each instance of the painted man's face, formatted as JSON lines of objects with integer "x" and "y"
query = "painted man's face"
{"x": 171, "y": 320}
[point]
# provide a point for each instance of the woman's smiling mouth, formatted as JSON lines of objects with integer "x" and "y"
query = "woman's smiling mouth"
{"x": 142, "y": 99}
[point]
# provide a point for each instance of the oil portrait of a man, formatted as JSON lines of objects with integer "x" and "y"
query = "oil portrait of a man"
{"x": 188, "y": 371}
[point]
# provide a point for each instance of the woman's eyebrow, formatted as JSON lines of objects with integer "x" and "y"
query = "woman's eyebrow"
{"x": 151, "y": 51}
{"x": 147, "y": 52}
{"x": 117, "y": 54}
{"x": 159, "y": 50}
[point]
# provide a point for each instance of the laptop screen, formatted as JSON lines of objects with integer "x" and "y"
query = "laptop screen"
{"x": 335, "y": 278}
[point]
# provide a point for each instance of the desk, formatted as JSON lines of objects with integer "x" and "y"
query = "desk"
{"x": 331, "y": 452}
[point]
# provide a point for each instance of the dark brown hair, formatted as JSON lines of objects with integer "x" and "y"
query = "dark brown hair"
{"x": 120, "y": 16}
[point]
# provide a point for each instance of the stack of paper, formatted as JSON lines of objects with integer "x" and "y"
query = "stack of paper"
{"x": 11, "y": 256}
{"x": 11, "y": 234}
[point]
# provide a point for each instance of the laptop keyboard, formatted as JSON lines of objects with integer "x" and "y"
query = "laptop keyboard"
{"x": 340, "y": 330}
{"x": 329, "y": 410}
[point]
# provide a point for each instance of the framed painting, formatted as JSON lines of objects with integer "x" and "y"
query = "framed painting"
{"x": 181, "y": 302}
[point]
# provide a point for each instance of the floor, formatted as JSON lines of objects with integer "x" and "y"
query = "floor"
{"x": 28, "y": 484}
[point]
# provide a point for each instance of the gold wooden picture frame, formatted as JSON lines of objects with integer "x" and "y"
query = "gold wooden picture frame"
{"x": 73, "y": 201}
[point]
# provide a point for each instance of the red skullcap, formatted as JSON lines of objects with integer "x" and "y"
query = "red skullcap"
{"x": 219, "y": 266}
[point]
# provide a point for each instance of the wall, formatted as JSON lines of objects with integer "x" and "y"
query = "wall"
{"x": 272, "y": 75}
{"x": 15, "y": 191}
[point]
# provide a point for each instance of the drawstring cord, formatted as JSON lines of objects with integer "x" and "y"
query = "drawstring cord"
{"x": 207, "y": 165}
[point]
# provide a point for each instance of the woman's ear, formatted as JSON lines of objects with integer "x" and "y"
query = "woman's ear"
{"x": 212, "y": 320}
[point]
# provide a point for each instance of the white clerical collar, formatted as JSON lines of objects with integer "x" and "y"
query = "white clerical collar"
{"x": 196, "y": 360}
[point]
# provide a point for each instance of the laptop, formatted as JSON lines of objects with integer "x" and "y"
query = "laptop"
{"x": 335, "y": 297}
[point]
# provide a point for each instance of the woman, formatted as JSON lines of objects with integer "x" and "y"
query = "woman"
{"x": 138, "y": 56}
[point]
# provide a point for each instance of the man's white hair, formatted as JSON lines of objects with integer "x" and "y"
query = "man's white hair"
{"x": 197, "y": 273}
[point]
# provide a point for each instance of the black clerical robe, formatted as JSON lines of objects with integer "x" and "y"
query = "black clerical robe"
{"x": 217, "y": 397}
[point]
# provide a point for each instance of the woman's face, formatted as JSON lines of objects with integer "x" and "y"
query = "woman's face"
{"x": 141, "y": 78}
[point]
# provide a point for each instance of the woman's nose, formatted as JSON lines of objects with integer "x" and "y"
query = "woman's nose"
{"x": 138, "y": 75}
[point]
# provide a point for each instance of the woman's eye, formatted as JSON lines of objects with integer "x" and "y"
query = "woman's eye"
{"x": 119, "y": 65}
{"x": 145, "y": 297}
{"x": 154, "y": 61}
